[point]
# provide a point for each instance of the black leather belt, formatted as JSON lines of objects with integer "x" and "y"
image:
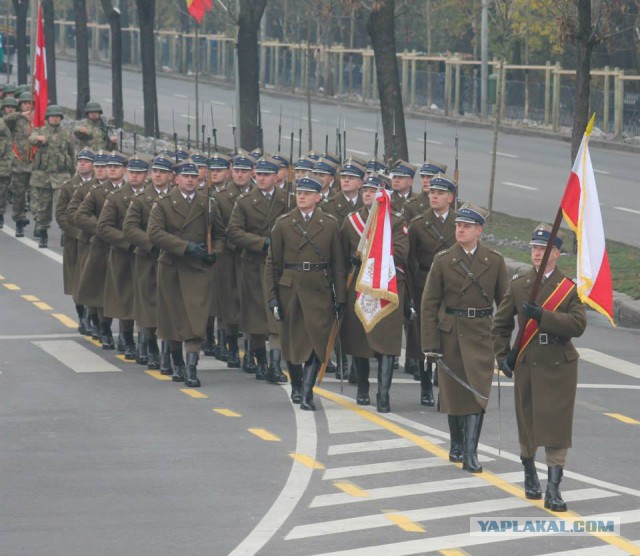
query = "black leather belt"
{"x": 306, "y": 267}
{"x": 544, "y": 339}
{"x": 469, "y": 312}
{"x": 425, "y": 267}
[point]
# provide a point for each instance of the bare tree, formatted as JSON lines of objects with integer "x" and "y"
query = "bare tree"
{"x": 146, "y": 19}
{"x": 48, "y": 16}
{"x": 82, "y": 56}
{"x": 21, "y": 8}
{"x": 112, "y": 13}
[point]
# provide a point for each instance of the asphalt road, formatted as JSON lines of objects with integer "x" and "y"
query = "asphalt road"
{"x": 98, "y": 457}
{"x": 531, "y": 172}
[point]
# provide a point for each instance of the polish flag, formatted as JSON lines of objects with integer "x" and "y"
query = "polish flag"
{"x": 581, "y": 211}
{"x": 40, "y": 83}
{"x": 197, "y": 8}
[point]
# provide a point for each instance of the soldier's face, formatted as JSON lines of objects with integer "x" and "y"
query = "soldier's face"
{"x": 282, "y": 174}
{"x": 401, "y": 184}
{"x": 297, "y": 174}
{"x": 93, "y": 115}
{"x": 219, "y": 176}
{"x": 426, "y": 183}
{"x": 325, "y": 179}
{"x": 467, "y": 235}
{"x": 202, "y": 173}
{"x": 368, "y": 195}
{"x": 84, "y": 167}
{"x": 161, "y": 178}
{"x": 54, "y": 120}
{"x": 9, "y": 109}
{"x": 136, "y": 179}
{"x": 537, "y": 252}
{"x": 439, "y": 200}
{"x": 115, "y": 172}
{"x": 186, "y": 184}
{"x": 241, "y": 177}
{"x": 266, "y": 182}
{"x": 307, "y": 200}
{"x": 350, "y": 184}
{"x": 26, "y": 106}
{"x": 100, "y": 172}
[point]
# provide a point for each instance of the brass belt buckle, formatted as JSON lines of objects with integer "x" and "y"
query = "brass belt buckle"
{"x": 471, "y": 312}
{"x": 543, "y": 338}
{"x": 306, "y": 266}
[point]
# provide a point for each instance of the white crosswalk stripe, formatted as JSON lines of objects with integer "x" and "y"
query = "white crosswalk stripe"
{"x": 376, "y": 445}
{"x": 384, "y": 467}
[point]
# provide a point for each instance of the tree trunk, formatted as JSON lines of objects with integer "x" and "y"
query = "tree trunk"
{"x": 146, "y": 17}
{"x": 48, "y": 16}
{"x": 585, "y": 43}
{"x": 82, "y": 56}
{"x": 113, "y": 17}
{"x": 248, "y": 61}
{"x": 381, "y": 29}
{"x": 21, "y": 8}
{"x": 127, "y": 51}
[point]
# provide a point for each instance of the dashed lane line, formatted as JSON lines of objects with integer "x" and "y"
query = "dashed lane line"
{"x": 403, "y": 522}
{"x": 307, "y": 461}
{"x": 623, "y": 418}
{"x": 265, "y": 435}
{"x": 157, "y": 375}
{"x": 351, "y": 489}
{"x": 12, "y": 287}
{"x": 30, "y": 298}
{"x": 226, "y": 412}
{"x": 193, "y": 393}
{"x": 64, "y": 319}
{"x": 43, "y": 306}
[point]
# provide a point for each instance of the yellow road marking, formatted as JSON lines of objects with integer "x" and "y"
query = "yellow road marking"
{"x": 615, "y": 540}
{"x": 64, "y": 319}
{"x": 265, "y": 435}
{"x": 12, "y": 287}
{"x": 1, "y": 277}
{"x": 43, "y": 306}
{"x": 226, "y": 412}
{"x": 96, "y": 343}
{"x": 307, "y": 461}
{"x": 403, "y": 522}
{"x": 158, "y": 375}
{"x": 623, "y": 418}
{"x": 193, "y": 393}
{"x": 30, "y": 298}
{"x": 454, "y": 552}
{"x": 121, "y": 357}
{"x": 351, "y": 489}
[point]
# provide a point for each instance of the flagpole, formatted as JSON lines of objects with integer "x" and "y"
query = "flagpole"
{"x": 197, "y": 62}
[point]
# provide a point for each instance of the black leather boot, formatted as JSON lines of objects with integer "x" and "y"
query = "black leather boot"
{"x": 456, "y": 433}
{"x": 233, "y": 358}
{"x": 396, "y": 362}
{"x": 165, "y": 359}
{"x": 261, "y": 358}
{"x": 362, "y": 371}
{"x": 295, "y": 373}
{"x": 209, "y": 347}
{"x": 221, "y": 348}
{"x": 20, "y": 225}
{"x": 472, "y": 429}
{"x": 153, "y": 361}
{"x": 426, "y": 390}
{"x": 142, "y": 352}
{"x": 107, "y": 335}
{"x": 385, "y": 375}
{"x": 44, "y": 239}
{"x": 1, "y": 221}
{"x": 435, "y": 375}
{"x": 81, "y": 322}
{"x": 191, "y": 378}
{"x": 410, "y": 366}
{"x": 248, "y": 366}
{"x": 129, "y": 345}
{"x": 95, "y": 326}
{"x": 532, "y": 488}
{"x": 353, "y": 372}
{"x": 178, "y": 365}
{"x": 274, "y": 372}
{"x": 309, "y": 374}
{"x": 552, "y": 498}
{"x": 122, "y": 344}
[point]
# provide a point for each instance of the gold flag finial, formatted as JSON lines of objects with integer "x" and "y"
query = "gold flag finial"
{"x": 591, "y": 123}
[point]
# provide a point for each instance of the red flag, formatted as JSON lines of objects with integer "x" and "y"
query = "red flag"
{"x": 582, "y": 213}
{"x": 40, "y": 83}
{"x": 197, "y": 8}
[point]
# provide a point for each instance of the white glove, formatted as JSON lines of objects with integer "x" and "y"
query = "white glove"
{"x": 276, "y": 314}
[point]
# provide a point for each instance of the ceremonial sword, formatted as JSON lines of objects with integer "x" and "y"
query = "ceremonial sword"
{"x": 443, "y": 366}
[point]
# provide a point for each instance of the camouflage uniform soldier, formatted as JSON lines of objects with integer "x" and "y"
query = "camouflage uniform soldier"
{"x": 19, "y": 123}
{"x": 92, "y": 131}
{"x": 52, "y": 166}
{"x": 5, "y": 170}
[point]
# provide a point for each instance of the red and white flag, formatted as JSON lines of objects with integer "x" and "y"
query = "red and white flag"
{"x": 581, "y": 210}
{"x": 377, "y": 287}
{"x": 40, "y": 83}
{"x": 197, "y": 9}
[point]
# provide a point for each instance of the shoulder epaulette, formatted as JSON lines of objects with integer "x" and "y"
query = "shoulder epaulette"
{"x": 515, "y": 276}
{"x": 398, "y": 214}
{"x": 496, "y": 253}
{"x": 330, "y": 216}
{"x": 440, "y": 253}
{"x": 282, "y": 216}
{"x": 243, "y": 195}
{"x": 416, "y": 218}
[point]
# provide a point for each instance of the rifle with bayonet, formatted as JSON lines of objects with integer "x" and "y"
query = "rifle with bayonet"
{"x": 456, "y": 172}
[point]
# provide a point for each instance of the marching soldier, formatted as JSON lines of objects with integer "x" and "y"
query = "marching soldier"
{"x": 429, "y": 233}
{"x": 202, "y": 164}
{"x": 385, "y": 341}
{"x": 302, "y": 166}
{"x": 421, "y": 203}
{"x": 305, "y": 279}
{"x": 178, "y": 227}
{"x": 52, "y": 166}
{"x": 350, "y": 198}
{"x": 249, "y": 227}
{"x": 119, "y": 285}
{"x": 146, "y": 261}
{"x": 374, "y": 166}
{"x": 546, "y": 377}
{"x": 402, "y": 175}
{"x": 5, "y": 169}
{"x": 463, "y": 284}
{"x": 324, "y": 171}
{"x": 92, "y": 132}
{"x": 70, "y": 234}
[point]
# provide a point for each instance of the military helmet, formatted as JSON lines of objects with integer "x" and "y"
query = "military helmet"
{"x": 9, "y": 101}
{"x": 25, "y": 97}
{"x": 9, "y": 88}
{"x": 92, "y": 106}
{"x": 24, "y": 88}
{"x": 54, "y": 110}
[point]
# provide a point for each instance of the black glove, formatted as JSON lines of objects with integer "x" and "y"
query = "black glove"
{"x": 274, "y": 305}
{"x": 341, "y": 308}
{"x": 532, "y": 311}
{"x": 192, "y": 248}
{"x": 265, "y": 247}
{"x": 210, "y": 258}
{"x": 506, "y": 369}
{"x": 409, "y": 311}
{"x": 132, "y": 248}
{"x": 197, "y": 250}
{"x": 355, "y": 261}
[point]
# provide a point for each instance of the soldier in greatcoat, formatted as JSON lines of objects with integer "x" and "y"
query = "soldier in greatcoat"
{"x": 70, "y": 234}
{"x": 178, "y": 227}
{"x": 92, "y": 280}
{"x": 457, "y": 304}
{"x": 546, "y": 376}
{"x": 305, "y": 279}
{"x": 146, "y": 261}
{"x": 119, "y": 286}
{"x": 350, "y": 197}
{"x": 402, "y": 174}
{"x": 250, "y": 224}
{"x": 420, "y": 203}
{"x": 324, "y": 171}
{"x": 429, "y": 233}
{"x": 384, "y": 342}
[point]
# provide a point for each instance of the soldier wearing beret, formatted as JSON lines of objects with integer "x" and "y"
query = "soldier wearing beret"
{"x": 249, "y": 229}
{"x": 402, "y": 174}
{"x": 457, "y": 304}
{"x": 178, "y": 227}
{"x": 546, "y": 376}
{"x": 304, "y": 268}
{"x": 420, "y": 203}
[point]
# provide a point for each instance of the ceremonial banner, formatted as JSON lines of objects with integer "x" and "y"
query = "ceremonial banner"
{"x": 377, "y": 287}
{"x": 581, "y": 210}
{"x": 40, "y": 83}
{"x": 197, "y": 8}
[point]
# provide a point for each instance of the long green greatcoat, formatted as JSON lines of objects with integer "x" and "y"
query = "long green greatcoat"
{"x": 249, "y": 226}
{"x": 340, "y": 207}
{"x": 118, "y": 288}
{"x": 71, "y": 233}
{"x": 465, "y": 342}
{"x": 305, "y": 296}
{"x": 82, "y": 243}
{"x": 184, "y": 283}
{"x": 546, "y": 377}
{"x": 94, "y": 271}
{"x": 146, "y": 257}
{"x": 416, "y": 205}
